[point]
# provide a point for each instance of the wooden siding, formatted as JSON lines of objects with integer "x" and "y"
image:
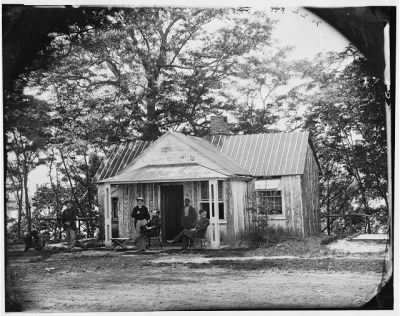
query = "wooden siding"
{"x": 236, "y": 213}
{"x": 310, "y": 196}
{"x": 127, "y": 194}
{"x": 292, "y": 200}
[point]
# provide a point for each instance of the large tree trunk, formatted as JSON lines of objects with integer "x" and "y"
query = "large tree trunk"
{"x": 58, "y": 202}
{"x": 27, "y": 204}
{"x": 70, "y": 182}
{"x": 19, "y": 198}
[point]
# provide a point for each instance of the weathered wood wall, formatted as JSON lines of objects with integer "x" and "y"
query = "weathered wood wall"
{"x": 168, "y": 150}
{"x": 310, "y": 195}
{"x": 127, "y": 194}
{"x": 236, "y": 210}
{"x": 292, "y": 203}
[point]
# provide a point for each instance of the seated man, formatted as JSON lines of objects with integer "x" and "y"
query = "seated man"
{"x": 190, "y": 234}
{"x": 149, "y": 230}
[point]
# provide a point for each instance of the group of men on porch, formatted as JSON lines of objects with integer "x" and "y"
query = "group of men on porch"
{"x": 145, "y": 227}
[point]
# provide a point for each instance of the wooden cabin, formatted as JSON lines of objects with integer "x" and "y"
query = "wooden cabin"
{"x": 234, "y": 177}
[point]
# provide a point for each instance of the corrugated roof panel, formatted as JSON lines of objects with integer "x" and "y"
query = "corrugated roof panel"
{"x": 104, "y": 163}
{"x": 255, "y": 149}
{"x": 121, "y": 156}
{"x": 242, "y": 150}
{"x": 118, "y": 160}
{"x": 266, "y": 154}
{"x": 257, "y": 169}
{"x": 269, "y": 155}
{"x": 284, "y": 148}
{"x": 302, "y": 153}
{"x": 111, "y": 165}
{"x": 288, "y": 159}
{"x": 294, "y": 162}
{"x": 259, "y": 154}
{"x": 212, "y": 153}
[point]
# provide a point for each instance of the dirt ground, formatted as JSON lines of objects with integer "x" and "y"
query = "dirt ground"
{"x": 228, "y": 279}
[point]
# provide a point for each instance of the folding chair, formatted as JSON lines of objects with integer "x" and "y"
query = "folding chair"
{"x": 154, "y": 237}
{"x": 199, "y": 237}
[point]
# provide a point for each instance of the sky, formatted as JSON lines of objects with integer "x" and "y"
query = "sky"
{"x": 295, "y": 27}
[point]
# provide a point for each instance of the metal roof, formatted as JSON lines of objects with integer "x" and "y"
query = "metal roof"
{"x": 226, "y": 164}
{"x": 274, "y": 154}
{"x": 166, "y": 173}
{"x": 121, "y": 156}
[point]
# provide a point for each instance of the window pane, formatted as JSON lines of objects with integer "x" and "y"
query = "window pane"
{"x": 221, "y": 210}
{"x": 220, "y": 195}
{"x": 269, "y": 202}
{"x": 114, "y": 207}
{"x": 204, "y": 190}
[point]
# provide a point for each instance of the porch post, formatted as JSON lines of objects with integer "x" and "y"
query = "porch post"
{"x": 107, "y": 215}
{"x": 214, "y": 215}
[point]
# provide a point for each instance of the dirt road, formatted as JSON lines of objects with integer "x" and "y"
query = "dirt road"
{"x": 99, "y": 281}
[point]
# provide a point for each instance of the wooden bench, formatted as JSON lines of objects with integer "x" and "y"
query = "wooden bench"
{"x": 119, "y": 242}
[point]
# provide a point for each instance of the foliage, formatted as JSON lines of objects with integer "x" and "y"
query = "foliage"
{"x": 26, "y": 135}
{"x": 150, "y": 69}
{"x": 347, "y": 121}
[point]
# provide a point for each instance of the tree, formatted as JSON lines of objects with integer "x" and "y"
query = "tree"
{"x": 255, "y": 88}
{"x": 26, "y": 135}
{"x": 347, "y": 120}
{"x": 131, "y": 70}
{"x": 15, "y": 186}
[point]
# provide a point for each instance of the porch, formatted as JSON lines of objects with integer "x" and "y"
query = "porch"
{"x": 165, "y": 188}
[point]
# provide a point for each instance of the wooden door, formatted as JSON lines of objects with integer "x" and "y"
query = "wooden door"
{"x": 171, "y": 208}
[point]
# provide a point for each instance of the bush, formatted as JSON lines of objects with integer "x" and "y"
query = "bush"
{"x": 266, "y": 237}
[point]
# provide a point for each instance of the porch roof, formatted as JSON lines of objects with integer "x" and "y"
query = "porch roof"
{"x": 167, "y": 173}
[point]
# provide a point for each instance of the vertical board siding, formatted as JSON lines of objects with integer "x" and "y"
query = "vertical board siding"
{"x": 310, "y": 196}
{"x": 237, "y": 213}
{"x": 291, "y": 192}
{"x": 230, "y": 233}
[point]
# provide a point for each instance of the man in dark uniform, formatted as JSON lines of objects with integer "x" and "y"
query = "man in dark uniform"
{"x": 68, "y": 220}
{"x": 188, "y": 216}
{"x": 190, "y": 234}
{"x": 141, "y": 215}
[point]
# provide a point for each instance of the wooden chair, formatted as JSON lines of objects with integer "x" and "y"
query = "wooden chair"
{"x": 155, "y": 237}
{"x": 200, "y": 237}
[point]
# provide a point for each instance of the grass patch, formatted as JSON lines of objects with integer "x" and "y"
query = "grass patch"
{"x": 292, "y": 246}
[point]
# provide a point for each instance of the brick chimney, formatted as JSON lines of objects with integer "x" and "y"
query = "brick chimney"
{"x": 219, "y": 125}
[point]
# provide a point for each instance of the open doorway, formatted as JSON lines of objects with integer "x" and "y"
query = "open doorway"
{"x": 171, "y": 207}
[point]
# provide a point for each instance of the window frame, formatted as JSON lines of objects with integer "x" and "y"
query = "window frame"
{"x": 206, "y": 200}
{"x": 272, "y": 188}
{"x": 114, "y": 210}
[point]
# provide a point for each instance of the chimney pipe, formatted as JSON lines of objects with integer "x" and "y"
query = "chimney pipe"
{"x": 219, "y": 125}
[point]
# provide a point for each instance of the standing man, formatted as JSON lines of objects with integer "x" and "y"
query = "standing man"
{"x": 141, "y": 215}
{"x": 68, "y": 220}
{"x": 189, "y": 216}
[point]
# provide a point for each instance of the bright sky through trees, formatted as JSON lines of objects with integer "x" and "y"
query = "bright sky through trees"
{"x": 296, "y": 27}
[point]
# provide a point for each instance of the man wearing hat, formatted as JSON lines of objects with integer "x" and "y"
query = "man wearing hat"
{"x": 140, "y": 215}
{"x": 68, "y": 220}
{"x": 188, "y": 216}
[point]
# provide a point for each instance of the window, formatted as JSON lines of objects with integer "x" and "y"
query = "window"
{"x": 269, "y": 197}
{"x": 205, "y": 201}
{"x": 114, "y": 207}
